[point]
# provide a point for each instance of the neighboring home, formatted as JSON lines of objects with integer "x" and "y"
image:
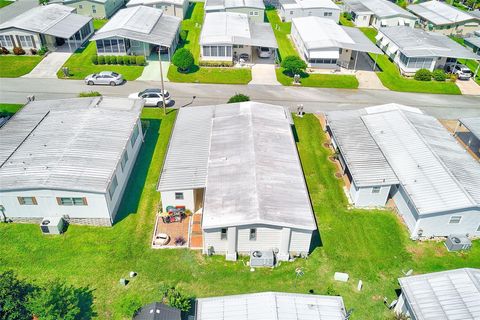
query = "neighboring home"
{"x": 397, "y": 152}
{"x": 16, "y": 8}
{"x": 303, "y": 8}
{"x": 474, "y": 44}
{"x": 453, "y": 294}
{"x": 227, "y": 35}
{"x": 52, "y": 26}
{"x": 322, "y": 43}
{"x": 443, "y": 18}
{"x": 378, "y": 13}
{"x": 255, "y": 9}
{"x": 98, "y": 9}
{"x": 176, "y": 8}
{"x": 413, "y": 49}
{"x": 238, "y": 165}
{"x": 138, "y": 31}
{"x": 157, "y": 311}
{"x": 69, "y": 158}
{"x": 271, "y": 306}
{"x": 468, "y": 131}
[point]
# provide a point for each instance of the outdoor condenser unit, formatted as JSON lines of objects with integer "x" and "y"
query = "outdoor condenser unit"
{"x": 456, "y": 242}
{"x": 262, "y": 259}
{"x": 53, "y": 225}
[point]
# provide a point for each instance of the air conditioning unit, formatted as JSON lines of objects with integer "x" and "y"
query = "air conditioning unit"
{"x": 456, "y": 242}
{"x": 262, "y": 259}
{"x": 53, "y": 225}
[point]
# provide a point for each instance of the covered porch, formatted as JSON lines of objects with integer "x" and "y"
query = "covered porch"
{"x": 68, "y": 37}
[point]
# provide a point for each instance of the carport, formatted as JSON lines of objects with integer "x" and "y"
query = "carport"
{"x": 468, "y": 131}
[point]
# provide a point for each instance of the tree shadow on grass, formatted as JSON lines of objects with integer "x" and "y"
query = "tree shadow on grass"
{"x": 138, "y": 176}
{"x": 189, "y": 13}
{"x": 85, "y": 299}
{"x": 303, "y": 75}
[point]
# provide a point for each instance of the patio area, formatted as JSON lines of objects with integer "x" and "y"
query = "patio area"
{"x": 175, "y": 230}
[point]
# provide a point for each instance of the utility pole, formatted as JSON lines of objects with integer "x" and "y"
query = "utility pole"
{"x": 161, "y": 79}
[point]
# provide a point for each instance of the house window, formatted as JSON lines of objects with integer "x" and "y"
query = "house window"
{"x": 27, "y": 201}
{"x": 72, "y": 201}
{"x": 223, "y": 234}
{"x": 376, "y": 189}
{"x": 6, "y": 41}
{"x": 113, "y": 187}
{"x": 253, "y": 234}
{"x": 80, "y": 6}
{"x": 455, "y": 219}
{"x": 178, "y": 195}
{"x": 26, "y": 41}
{"x": 133, "y": 139}
{"x": 94, "y": 9}
{"x": 124, "y": 160}
{"x": 291, "y": 12}
{"x": 327, "y": 14}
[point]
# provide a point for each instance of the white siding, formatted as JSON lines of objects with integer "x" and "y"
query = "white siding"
{"x": 268, "y": 238}
{"x": 17, "y": 32}
{"x": 438, "y": 225}
{"x": 364, "y": 197}
{"x": 362, "y": 20}
{"x": 300, "y": 241}
{"x": 405, "y": 208}
{"x": 211, "y": 238}
{"x": 254, "y": 14}
{"x": 168, "y": 199}
{"x": 288, "y": 14}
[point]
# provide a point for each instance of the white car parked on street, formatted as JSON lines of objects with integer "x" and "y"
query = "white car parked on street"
{"x": 153, "y": 97}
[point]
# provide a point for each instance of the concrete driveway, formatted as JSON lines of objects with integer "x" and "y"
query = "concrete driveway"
{"x": 264, "y": 73}
{"x": 369, "y": 80}
{"x": 151, "y": 72}
{"x": 469, "y": 87}
{"x": 48, "y": 67}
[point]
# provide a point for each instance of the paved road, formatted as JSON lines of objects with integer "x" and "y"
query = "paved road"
{"x": 313, "y": 99}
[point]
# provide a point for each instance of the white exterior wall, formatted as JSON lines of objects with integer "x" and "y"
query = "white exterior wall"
{"x": 393, "y": 22}
{"x": 409, "y": 70}
{"x": 463, "y": 29}
{"x": 362, "y": 20}
{"x": 288, "y": 14}
{"x": 401, "y": 307}
{"x": 363, "y": 196}
{"x": 406, "y": 210}
{"x": 16, "y": 43}
{"x": 254, "y": 14}
{"x": 168, "y": 199}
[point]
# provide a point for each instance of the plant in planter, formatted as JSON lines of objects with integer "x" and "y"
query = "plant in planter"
{"x": 18, "y": 51}
{"x": 180, "y": 241}
{"x": 183, "y": 60}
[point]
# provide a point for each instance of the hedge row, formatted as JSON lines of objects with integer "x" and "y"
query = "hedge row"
{"x": 216, "y": 63}
{"x": 121, "y": 60}
{"x": 426, "y": 75}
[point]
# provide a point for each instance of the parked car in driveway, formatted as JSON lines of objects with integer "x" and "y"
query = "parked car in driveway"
{"x": 264, "y": 52}
{"x": 461, "y": 70}
{"x": 104, "y": 77}
{"x": 152, "y": 97}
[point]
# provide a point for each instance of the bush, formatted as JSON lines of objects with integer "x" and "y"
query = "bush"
{"x": 120, "y": 60}
{"x": 18, "y": 51}
{"x": 183, "y": 35}
{"x": 95, "y": 59}
{"x": 101, "y": 59}
{"x": 89, "y": 94}
{"x": 348, "y": 16}
{"x": 239, "y": 98}
{"x": 140, "y": 61}
{"x": 439, "y": 75}
{"x": 175, "y": 298}
{"x": 133, "y": 60}
{"x": 42, "y": 51}
{"x": 14, "y": 294}
{"x": 183, "y": 59}
{"x": 126, "y": 60}
{"x": 293, "y": 65}
{"x": 108, "y": 59}
{"x": 33, "y": 51}
{"x": 423, "y": 75}
{"x": 4, "y": 50}
{"x": 216, "y": 63}
{"x": 113, "y": 60}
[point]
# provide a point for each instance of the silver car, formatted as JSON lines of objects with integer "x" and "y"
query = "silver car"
{"x": 104, "y": 77}
{"x": 461, "y": 70}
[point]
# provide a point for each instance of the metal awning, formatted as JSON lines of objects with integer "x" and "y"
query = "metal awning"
{"x": 330, "y": 54}
{"x": 67, "y": 27}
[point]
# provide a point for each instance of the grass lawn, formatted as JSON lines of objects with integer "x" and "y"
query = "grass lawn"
{"x": 4, "y": 3}
{"x": 282, "y": 32}
{"x": 80, "y": 65}
{"x": 320, "y": 80}
{"x": 345, "y": 22}
{"x": 393, "y": 80}
{"x": 12, "y": 66}
{"x": 9, "y": 108}
{"x": 98, "y": 23}
{"x": 370, "y": 245}
{"x": 192, "y": 24}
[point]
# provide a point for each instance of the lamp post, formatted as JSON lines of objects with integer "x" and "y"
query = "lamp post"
{"x": 161, "y": 79}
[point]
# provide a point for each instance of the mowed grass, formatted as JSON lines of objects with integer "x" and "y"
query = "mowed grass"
{"x": 282, "y": 34}
{"x": 369, "y": 245}
{"x": 192, "y": 24}
{"x": 320, "y": 80}
{"x": 9, "y": 108}
{"x": 393, "y": 80}
{"x": 4, "y": 3}
{"x": 98, "y": 23}
{"x": 12, "y": 66}
{"x": 80, "y": 65}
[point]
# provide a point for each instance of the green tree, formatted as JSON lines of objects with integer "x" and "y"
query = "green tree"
{"x": 174, "y": 298}
{"x": 238, "y": 98}
{"x": 43, "y": 2}
{"x": 293, "y": 65}
{"x": 423, "y": 75}
{"x": 183, "y": 60}
{"x": 13, "y": 296}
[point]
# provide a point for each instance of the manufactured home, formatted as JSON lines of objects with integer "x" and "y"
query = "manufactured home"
{"x": 327, "y": 9}
{"x": 379, "y": 13}
{"x": 98, "y": 9}
{"x": 176, "y": 8}
{"x": 255, "y": 9}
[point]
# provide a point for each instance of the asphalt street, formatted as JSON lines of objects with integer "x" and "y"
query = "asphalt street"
{"x": 313, "y": 99}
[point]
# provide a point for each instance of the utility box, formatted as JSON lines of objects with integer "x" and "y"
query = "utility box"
{"x": 262, "y": 259}
{"x": 457, "y": 242}
{"x": 340, "y": 276}
{"x": 53, "y": 225}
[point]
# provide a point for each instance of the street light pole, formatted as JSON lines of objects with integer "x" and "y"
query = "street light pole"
{"x": 161, "y": 79}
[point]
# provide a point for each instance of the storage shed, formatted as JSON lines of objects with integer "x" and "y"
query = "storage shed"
{"x": 468, "y": 131}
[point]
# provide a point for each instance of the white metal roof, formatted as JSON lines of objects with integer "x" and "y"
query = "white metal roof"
{"x": 133, "y": 3}
{"x": 414, "y": 42}
{"x": 380, "y": 8}
{"x": 447, "y": 295}
{"x": 322, "y": 33}
{"x": 231, "y": 4}
{"x": 474, "y": 41}
{"x": 308, "y": 4}
{"x": 271, "y": 306}
{"x": 54, "y": 19}
{"x": 141, "y": 23}
{"x": 71, "y": 144}
{"x": 440, "y": 13}
{"x": 473, "y": 125}
{"x": 235, "y": 28}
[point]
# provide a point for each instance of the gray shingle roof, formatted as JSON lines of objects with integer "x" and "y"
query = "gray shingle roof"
{"x": 381, "y": 8}
{"x": 70, "y": 144}
{"x": 440, "y": 13}
{"x": 141, "y": 23}
{"x": 473, "y": 125}
{"x": 158, "y": 311}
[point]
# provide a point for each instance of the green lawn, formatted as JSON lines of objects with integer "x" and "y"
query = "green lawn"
{"x": 320, "y": 80}
{"x": 12, "y": 66}
{"x": 80, "y": 65}
{"x": 4, "y": 3}
{"x": 192, "y": 24}
{"x": 345, "y": 22}
{"x": 9, "y": 108}
{"x": 393, "y": 80}
{"x": 282, "y": 32}
{"x": 370, "y": 245}
{"x": 98, "y": 23}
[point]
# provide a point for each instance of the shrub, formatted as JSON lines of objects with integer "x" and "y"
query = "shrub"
{"x": 33, "y": 51}
{"x": 14, "y": 293}
{"x": 101, "y": 59}
{"x": 423, "y": 75}
{"x": 216, "y": 63}
{"x": 133, "y": 60}
{"x": 120, "y": 60}
{"x": 439, "y": 75}
{"x": 238, "y": 98}
{"x": 183, "y": 59}
{"x": 293, "y": 65}
{"x": 42, "y": 51}
{"x": 348, "y": 16}
{"x": 89, "y": 94}
{"x": 18, "y": 51}
{"x": 183, "y": 35}
{"x": 4, "y": 50}
{"x": 175, "y": 298}
{"x": 126, "y": 60}
{"x": 113, "y": 60}
{"x": 95, "y": 59}
{"x": 108, "y": 59}
{"x": 140, "y": 61}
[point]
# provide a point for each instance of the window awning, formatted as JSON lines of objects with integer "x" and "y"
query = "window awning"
{"x": 325, "y": 54}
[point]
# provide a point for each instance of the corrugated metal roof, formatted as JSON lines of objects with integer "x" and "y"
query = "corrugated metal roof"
{"x": 308, "y": 4}
{"x": 71, "y": 144}
{"x": 271, "y": 306}
{"x": 236, "y": 28}
{"x": 474, "y": 41}
{"x": 133, "y": 3}
{"x": 439, "y": 13}
{"x": 414, "y": 42}
{"x": 472, "y": 124}
{"x": 54, "y": 19}
{"x": 364, "y": 159}
{"x": 381, "y": 8}
{"x": 141, "y": 23}
{"x": 322, "y": 33}
{"x": 448, "y": 295}
{"x": 231, "y": 4}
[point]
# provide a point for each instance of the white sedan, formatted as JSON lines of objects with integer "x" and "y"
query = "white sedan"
{"x": 152, "y": 97}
